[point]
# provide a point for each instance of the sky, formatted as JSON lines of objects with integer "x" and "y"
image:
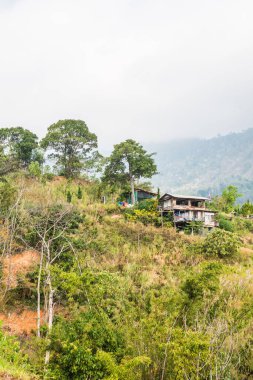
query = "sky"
{"x": 148, "y": 70}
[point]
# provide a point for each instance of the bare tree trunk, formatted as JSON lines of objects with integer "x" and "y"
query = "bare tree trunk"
{"x": 132, "y": 190}
{"x": 38, "y": 293}
{"x": 50, "y": 320}
{"x": 50, "y": 313}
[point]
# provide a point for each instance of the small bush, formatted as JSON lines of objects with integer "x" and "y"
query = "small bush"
{"x": 10, "y": 352}
{"x": 147, "y": 217}
{"x": 221, "y": 243}
{"x": 7, "y": 196}
{"x": 79, "y": 193}
{"x": 69, "y": 197}
{"x": 35, "y": 169}
{"x": 148, "y": 205}
{"x": 226, "y": 224}
{"x": 204, "y": 282}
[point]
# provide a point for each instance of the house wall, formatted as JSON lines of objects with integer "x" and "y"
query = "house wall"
{"x": 209, "y": 217}
{"x": 167, "y": 203}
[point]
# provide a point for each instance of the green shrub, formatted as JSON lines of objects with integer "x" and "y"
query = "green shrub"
{"x": 221, "y": 243}
{"x": 7, "y": 196}
{"x": 189, "y": 355}
{"x": 204, "y": 282}
{"x": 75, "y": 344}
{"x": 69, "y": 197}
{"x": 10, "y": 352}
{"x": 194, "y": 227}
{"x": 79, "y": 193}
{"x": 147, "y": 204}
{"x": 35, "y": 169}
{"x": 226, "y": 224}
{"x": 147, "y": 217}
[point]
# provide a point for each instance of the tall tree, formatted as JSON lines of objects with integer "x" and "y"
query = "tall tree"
{"x": 226, "y": 202}
{"x": 229, "y": 196}
{"x": 18, "y": 144}
{"x": 73, "y": 146}
{"x": 129, "y": 162}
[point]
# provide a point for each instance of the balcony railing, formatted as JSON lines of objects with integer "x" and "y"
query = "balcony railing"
{"x": 187, "y": 218}
{"x": 182, "y": 218}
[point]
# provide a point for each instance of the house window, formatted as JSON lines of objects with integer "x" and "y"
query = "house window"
{"x": 167, "y": 203}
{"x": 197, "y": 204}
{"x": 182, "y": 202}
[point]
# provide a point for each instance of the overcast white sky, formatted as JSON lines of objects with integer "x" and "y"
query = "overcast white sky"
{"x": 148, "y": 70}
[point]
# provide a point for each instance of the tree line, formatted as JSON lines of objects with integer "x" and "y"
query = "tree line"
{"x": 74, "y": 150}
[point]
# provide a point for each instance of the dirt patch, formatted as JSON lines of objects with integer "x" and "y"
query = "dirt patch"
{"x": 246, "y": 252}
{"x": 19, "y": 323}
{"x": 116, "y": 216}
{"x": 5, "y": 376}
{"x": 19, "y": 264}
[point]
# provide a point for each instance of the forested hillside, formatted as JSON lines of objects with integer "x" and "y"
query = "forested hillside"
{"x": 98, "y": 296}
{"x": 206, "y": 166}
{"x": 93, "y": 289}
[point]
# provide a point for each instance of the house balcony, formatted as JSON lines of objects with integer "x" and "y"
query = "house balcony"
{"x": 181, "y": 219}
{"x": 182, "y": 208}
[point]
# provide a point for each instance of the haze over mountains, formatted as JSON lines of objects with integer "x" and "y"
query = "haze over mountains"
{"x": 204, "y": 167}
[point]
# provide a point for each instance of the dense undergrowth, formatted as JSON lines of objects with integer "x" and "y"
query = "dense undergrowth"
{"x": 132, "y": 301}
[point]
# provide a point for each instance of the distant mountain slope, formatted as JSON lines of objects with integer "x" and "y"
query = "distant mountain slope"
{"x": 206, "y": 166}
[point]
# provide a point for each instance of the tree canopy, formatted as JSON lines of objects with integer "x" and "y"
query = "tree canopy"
{"x": 73, "y": 146}
{"x": 230, "y": 195}
{"x": 18, "y": 144}
{"x": 129, "y": 162}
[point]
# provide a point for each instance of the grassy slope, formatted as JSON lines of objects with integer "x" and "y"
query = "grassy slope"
{"x": 145, "y": 259}
{"x": 12, "y": 372}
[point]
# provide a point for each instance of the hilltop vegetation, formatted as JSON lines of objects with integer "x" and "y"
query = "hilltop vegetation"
{"x": 195, "y": 166}
{"x": 130, "y": 301}
{"x": 96, "y": 291}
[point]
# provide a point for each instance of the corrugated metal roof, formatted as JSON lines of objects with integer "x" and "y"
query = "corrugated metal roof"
{"x": 185, "y": 197}
{"x": 145, "y": 191}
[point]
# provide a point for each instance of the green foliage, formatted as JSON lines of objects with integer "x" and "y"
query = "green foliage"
{"x": 78, "y": 341}
{"x": 221, "y": 243}
{"x": 129, "y": 162}
{"x": 230, "y": 195}
{"x": 20, "y": 144}
{"x": 132, "y": 301}
{"x": 225, "y": 224}
{"x": 148, "y": 205}
{"x": 35, "y": 169}
{"x": 247, "y": 209}
{"x": 146, "y": 212}
{"x": 11, "y": 355}
{"x": 188, "y": 355}
{"x": 79, "y": 193}
{"x": 8, "y": 163}
{"x": 194, "y": 227}
{"x": 129, "y": 159}
{"x": 47, "y": 173}
{"x": 226, "y": 202}
{"x": 203, "y": 282}
{"x": 73, "y": 145}
{"x": 38, "y": 156}
{"x": 69, "y": 196}
{"x": 147, "y": 217}
{"x": 7, "y": 196}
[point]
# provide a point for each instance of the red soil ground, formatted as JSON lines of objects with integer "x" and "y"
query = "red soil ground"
{"x": 14, "y": 266}
{"x": 19, "y": 264}
{"x": 19, "y": 323}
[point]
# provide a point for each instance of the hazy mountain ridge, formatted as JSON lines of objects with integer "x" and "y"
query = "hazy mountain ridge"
{"x": 206, "y": 166}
